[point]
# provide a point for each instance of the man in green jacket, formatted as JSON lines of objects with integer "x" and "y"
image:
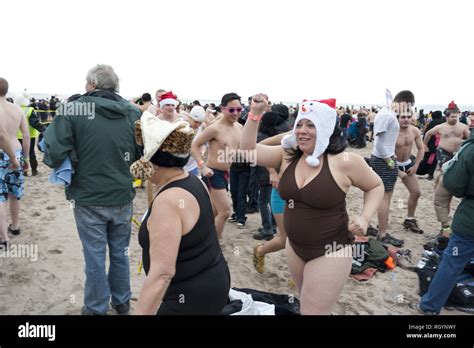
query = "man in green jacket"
{"x": 95, "y": 132}
{"x": 459, "y": 180}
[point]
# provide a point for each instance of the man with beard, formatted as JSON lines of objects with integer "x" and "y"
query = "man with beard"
{"x": 452, "y": 134}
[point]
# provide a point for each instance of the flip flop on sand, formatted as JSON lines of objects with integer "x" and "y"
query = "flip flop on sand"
{"x": 258, "y": 261}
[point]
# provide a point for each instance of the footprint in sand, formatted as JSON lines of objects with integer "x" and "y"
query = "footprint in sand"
{"x": 36, "y": 214}
{"x": 51, "y": 207}
{"x": 45, "y": 275}
{"x": 55, "y": 251}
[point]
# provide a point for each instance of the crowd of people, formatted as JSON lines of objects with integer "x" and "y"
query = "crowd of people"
{"x": 289, "y": 164}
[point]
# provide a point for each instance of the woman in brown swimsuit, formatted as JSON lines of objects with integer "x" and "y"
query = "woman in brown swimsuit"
{"x": 316, "y": 175}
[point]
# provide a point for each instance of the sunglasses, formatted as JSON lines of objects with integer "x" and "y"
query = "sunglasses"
{"x": 232, "y": 110}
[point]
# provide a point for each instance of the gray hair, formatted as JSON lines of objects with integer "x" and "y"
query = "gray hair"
{"x": 104, "y": 77}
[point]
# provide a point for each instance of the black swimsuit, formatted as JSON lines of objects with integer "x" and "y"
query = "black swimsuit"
{"x": 202, "y": 280}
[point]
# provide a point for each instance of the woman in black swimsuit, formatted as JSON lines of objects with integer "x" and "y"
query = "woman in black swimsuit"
{"x": 186, "y": 271}
{"x": 316, "y": 174}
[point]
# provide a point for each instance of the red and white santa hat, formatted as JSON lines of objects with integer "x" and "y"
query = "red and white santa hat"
{"x": 323, "y": 115}
{"x": 168, "y": 98}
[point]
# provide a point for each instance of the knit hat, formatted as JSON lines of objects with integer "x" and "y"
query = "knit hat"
{"x": 452, "y": 106}
{"x": 168, "y": 98}
{"x": 198, "y": 113}
{"x": 165, "y": 144}
{"x": 323, "y": 115}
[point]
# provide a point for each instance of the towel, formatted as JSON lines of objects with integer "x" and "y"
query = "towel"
{"x": 63, "y": 174}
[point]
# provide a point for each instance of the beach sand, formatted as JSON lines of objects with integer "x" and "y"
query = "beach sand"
{"x": 53, "y": 284}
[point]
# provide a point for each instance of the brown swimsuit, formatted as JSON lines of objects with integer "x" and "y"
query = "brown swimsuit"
{"x": 315, "y": 215}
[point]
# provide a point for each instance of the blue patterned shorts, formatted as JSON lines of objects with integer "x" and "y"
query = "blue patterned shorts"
{"x": 11, "y": 181}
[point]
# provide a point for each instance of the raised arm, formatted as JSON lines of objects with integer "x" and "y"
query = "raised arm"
{"x": 267, "y": 156}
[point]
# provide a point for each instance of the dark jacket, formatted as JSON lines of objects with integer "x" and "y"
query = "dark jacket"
{"x": 273, "y": 123}
{"x": 105, "y": 146}
{"x": 35, "y": 122}
{"x": 459, "y": 180}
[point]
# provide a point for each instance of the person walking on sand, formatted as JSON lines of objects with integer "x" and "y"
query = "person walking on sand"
{"x": 459, "y": 181}
{"x": 186, "y": 270}
{"x": 278, "y": 206}
{"x": 316, "y": 174}
{"x": 223, "y": 137}
{"x": 34, "y": 126}
{"x": 382, "y": 160}
{"x": 101, "y": 191}
{"x": 408, "y": 165}
{"x": 11, "y": 175}
{"x": 452, "y": 133}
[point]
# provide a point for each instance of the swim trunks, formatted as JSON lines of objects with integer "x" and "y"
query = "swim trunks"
{"x": 219, "y": 181}
{"x": 12, "y": 181}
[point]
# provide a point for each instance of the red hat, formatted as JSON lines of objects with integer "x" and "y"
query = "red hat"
{"x": 452, "y": 106}
{"x": 168, "y": 98}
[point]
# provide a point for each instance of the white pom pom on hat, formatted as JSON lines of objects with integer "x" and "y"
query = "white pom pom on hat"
{"x": 323, "y": 115}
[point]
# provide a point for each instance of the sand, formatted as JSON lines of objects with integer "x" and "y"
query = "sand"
{"x": 53, "y": 284}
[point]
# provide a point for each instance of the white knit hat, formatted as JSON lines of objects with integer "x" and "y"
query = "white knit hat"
{"x": 198, "y": 113}
{"x": 323, "y": 115}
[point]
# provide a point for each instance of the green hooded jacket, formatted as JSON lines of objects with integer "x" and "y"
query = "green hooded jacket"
{"x": 459, "y": 180}
{"x": 96, "y": 131}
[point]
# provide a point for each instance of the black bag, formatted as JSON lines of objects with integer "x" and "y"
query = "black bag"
{"x": 461, "y": 296}
{"x": 425, "y": 276}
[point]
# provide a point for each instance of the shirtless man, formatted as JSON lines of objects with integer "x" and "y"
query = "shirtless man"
{"x": 167, "y": 107}
{"x": 452, "y": 134}
{"x": 12, "y": 180}
{"x": 408, "y": 165}
{"x": 223, "y": 137}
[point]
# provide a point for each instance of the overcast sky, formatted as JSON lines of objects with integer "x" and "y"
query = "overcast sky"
{"x": 290, "y": 49}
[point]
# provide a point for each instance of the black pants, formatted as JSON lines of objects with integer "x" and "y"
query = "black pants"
{"x": 32, "y": 154}
{"x": 239, "y": 183}
{"x": 253, "y": 189}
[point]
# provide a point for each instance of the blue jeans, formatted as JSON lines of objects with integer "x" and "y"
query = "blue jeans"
{"x": 239, "y": 183}
{"x": 99, "y": 226}
{"x": 264, "y": 206}
{"x": 457, "y": 254}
